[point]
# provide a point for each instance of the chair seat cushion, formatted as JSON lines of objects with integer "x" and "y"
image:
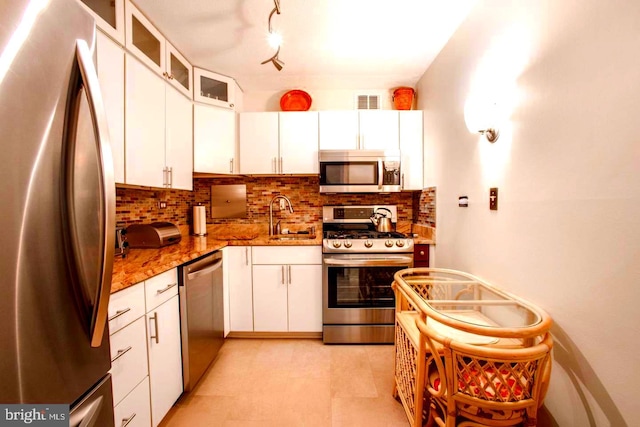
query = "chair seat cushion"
{"x": 478, "y": 388}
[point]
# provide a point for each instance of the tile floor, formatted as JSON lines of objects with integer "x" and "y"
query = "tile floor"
{"x": 268, "y": 382}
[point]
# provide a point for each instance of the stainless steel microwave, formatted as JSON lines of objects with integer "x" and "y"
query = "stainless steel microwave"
{"x": 359, "y": 171}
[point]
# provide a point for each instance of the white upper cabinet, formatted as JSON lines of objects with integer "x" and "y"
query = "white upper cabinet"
{"x": 359, "y": 130}
{"x": 279, "y": 143}
{"x": 214, "y": 140}
{"x": 144, "y": 40}
{"x": 110, "y": 67}
{"x": 145, "y": 109}
{"x": 259, "y": 143}
{"x": 159, "y": 143}
{"x": 338, "y": 130}
{"x": 411, "y": 149}
{"x": 179, "y": 71}
{"x": 299, "y": 142}
{"x": 148, "y": 44}
{"x": 178, "y": 140}
{"x": 214, "y": 89}
{"x": 379, "y": 130}
{"x": 109, "y": 15}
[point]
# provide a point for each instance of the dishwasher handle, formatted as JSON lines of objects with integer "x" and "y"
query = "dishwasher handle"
{"x": 206, "y": 270}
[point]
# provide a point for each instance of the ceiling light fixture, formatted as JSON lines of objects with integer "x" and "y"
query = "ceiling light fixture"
{"x": 275, "y": 39}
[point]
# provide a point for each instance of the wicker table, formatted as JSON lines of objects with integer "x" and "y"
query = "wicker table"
{"x": 462, "y": 308}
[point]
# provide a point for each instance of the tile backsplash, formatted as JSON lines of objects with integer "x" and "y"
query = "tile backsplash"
{"x": 135, "y": 205}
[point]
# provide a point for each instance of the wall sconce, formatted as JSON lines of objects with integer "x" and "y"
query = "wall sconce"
{"x": 480, "y": 117}
{"x": 275, "y": 40}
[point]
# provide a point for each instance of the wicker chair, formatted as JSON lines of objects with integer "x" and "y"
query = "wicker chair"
{"x": 473, "y": 385}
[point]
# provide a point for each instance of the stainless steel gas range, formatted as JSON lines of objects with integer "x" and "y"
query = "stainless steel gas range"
{"x": 358, "y": 267}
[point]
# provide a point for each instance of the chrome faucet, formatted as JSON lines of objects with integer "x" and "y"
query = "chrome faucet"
{"x": 272, "y": 231}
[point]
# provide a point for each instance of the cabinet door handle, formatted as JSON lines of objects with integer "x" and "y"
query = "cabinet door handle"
{"x": 121, "y": 353}
{"x": 246, "y": 255}
{"x": 170, "y": 171}
{"x": 157, "y": 335}
{"x": 165, "y": 74}
{"x": 126, "y": 421}
{"x": 289, "y": 274}
{"x": 165, "y": 289}
{"x": 283, "y": 274}
{"x": 402, "y": 186}
{"x": 119, "y": 313}
{"x": 274, "y": 165}
{"x": 421, "y": 252}
{"x": 231, "y": 165}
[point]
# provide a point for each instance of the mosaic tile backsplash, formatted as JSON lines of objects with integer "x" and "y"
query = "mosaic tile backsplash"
{"x": 142, "y": 206}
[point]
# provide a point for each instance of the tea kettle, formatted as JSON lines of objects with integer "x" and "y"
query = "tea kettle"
{"x": 381, "y": 220}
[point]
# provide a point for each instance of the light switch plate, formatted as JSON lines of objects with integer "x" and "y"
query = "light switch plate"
{"x": 493, "y": 199}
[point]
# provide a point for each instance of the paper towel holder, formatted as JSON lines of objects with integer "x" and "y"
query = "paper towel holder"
{"x": 199, "y": 220}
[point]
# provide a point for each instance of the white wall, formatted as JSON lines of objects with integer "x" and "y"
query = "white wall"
{"x": 567, "y": 165}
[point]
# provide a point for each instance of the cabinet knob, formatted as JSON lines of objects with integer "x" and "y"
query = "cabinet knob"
{"x": 421, "y": 252}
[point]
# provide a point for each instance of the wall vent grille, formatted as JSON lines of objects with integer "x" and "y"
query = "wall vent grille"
{"x": 367, "y": 102}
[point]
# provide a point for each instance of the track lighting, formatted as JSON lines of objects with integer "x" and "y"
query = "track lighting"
{"x": 275, "y": 40}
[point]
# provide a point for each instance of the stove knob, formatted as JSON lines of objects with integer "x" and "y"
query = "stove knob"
{"x": 388, "y": 243}
{"x": 347, "y": 244}
{"x": 400, "y": 243}
{"x": 336, "y": 244}
{"x": 368, "y": 243}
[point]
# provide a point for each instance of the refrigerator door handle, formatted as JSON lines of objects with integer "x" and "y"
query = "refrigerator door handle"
{"x": 106, "y": 183}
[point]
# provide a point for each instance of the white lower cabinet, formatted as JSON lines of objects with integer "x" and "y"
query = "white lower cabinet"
{"x": 134, "y": 410}
{"x": 238, "y": 267}
{"x": 165, "y": 357}
{"x": 146, "y": 354}
{"x": 287, "y": 289}
{"x": 128, "y": 359}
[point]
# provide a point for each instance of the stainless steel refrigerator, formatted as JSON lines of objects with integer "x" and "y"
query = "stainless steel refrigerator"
{"x": 57, "y": 208}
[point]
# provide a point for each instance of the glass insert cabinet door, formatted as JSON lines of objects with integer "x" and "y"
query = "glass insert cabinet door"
{"x": 149, "y": 45}
{"x": 144, "y": 40}
{"x": 212, "y": 88}
{"x": 179, "y": 71}
{"x": 109, "y": 15}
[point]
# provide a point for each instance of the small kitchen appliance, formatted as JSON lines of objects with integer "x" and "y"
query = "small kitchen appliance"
{"x": 358, "y": 264}
{"x": 154, "y": 235}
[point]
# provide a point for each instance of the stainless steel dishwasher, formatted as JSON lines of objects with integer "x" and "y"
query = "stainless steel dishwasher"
{"x": 201, "y": 315}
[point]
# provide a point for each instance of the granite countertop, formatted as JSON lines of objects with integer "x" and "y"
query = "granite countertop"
{"x": 141, "y": 264}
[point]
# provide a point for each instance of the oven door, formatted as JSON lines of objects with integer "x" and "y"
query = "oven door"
{"x": 357, "y": 287}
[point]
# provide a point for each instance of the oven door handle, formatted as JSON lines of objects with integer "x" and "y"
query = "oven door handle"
{"x": 383, "y": 261}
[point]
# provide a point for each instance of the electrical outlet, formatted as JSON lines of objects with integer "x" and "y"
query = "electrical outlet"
{"x": 162, "y": 205}
{"x": 493, "y": 199}
{"x": 282, "y": 206}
